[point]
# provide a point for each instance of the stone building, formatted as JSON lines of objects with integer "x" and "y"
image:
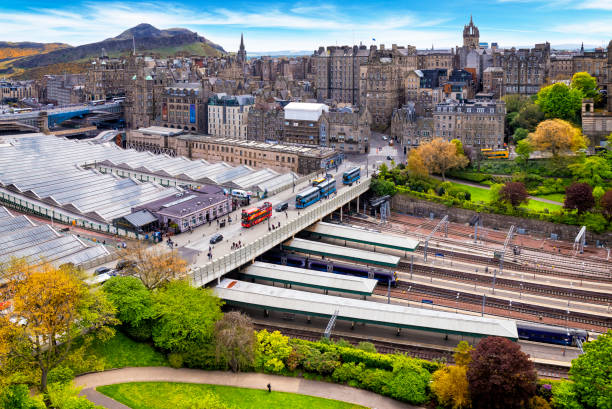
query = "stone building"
{"x": 433, "y": 59}
{"x": 493, "y": 81}
{"x": 561, "y": 67}
{"x": 337, "y": 72}
{"x": 106, "y": 78}
{"x": 593, "y": 62}
{"x": 305, "y": 124}
{"x": 228, "y": 115}
{"x": 241, "y": 55}
{"x": 65, "y": 89}
{"x": 143, "y": 103}
{"x": 474, "y": 123}
{"x": 16, "y": 90}
{"x": 471, "y": 35}
{"x": 597, "y": 124}
{"x": 349, "y": 130}
{"x": 266, "y": 122}
{"x": 526, "y": 70}
{"x": 184, "y": 106}
{"x": 410, "y": 127}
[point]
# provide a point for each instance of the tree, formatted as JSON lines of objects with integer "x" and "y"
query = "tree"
{"x": 523, "y": 150}
{"x": 133, "y": 302}
{"x": 52, "y": 306}
{"x": 579, "y": 196}
{"x": 235, "y": 340}
{"x": 440, "y": 156}
{"x": 495, "y": 193}
{"x": 514, "y": 193}
{"x": 463, "y": 353}
{"x": 560, "y": 101}
{"x": 564, "y": 396}
{"x": 592, "y": 373}
{"x": 520, "y": 134}
{"x": 593, "y": 170}
{"x": 528, "y": 118}
{"x": 184, "y": 316}
{"x": 515, "y": 102}
{"x": 459, "y": 146}
{"x": 586, "y": 84}
{"x": 500, "y": 375}
{"x": 416, "y": 166}
{"x": 382, "y": 187}
{"x": 606, "y": 203}
{"x": 451, "y": 386}
{"x": 557, "y": 137}
{"x": 272, "y": 349}
{"x": 153, "y": 265}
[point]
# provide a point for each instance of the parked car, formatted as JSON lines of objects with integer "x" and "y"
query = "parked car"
{"x": 216, "y": 238}
{"x": 388, "y": 157}
{"x": 281, "y": 207}
{"x": 102, "y": 270}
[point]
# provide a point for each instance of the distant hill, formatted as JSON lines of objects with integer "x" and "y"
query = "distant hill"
{"x": 147, "y": 39}
{"x": 14, "y": 50}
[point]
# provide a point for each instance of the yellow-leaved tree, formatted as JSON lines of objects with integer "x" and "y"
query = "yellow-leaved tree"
{"x": 50, "y": 307}
{"x": 450, "y": 383}
{"x": 438, "y": 156}
{"x": 558, "y": 137}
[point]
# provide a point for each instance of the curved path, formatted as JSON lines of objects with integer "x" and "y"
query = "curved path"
{"x": 246, "y": 380}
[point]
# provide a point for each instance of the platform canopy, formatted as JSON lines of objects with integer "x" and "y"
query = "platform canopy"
{"x": 309, "y": 278}
{"x": 347, "y": 253}
{"x": 350, "y": 309}
{"x": 360, "y": 235}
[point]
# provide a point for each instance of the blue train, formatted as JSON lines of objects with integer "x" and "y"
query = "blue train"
{"x": 315, "y": 193}
{"x": 351, "y": 176}
{"x": 294, "y": 260}
{"x": 550, "y": 334}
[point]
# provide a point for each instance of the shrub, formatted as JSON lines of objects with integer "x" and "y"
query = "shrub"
{"x": 175, "y": 359}
{"x": 564, "y": 396}
{"x": 348, "y": 372}
{"x": 538, "y": 403}
{"x": 66, "y": 396}
{"x": 60, "y": 374}
{"x": 271, "y": 346}
{"x": 367, "y": 347}
{"x": 273, "y": 365}
{"x": 203, "y": 357}
{"x": 410, "y": 381}
{"x": 18, "y": 397}
{"x": 376, "y": 380}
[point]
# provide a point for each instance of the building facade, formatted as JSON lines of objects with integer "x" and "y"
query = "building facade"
{"x": 228, "y": 115}
{"x": 525, "y": 70}
{"x": 184, "y": 106}
{"x": 65, "y": 89}
{"x": 305, "y": 124}
{"x": 349, "y": 130}
{"x": 266, "y": 123}
{"x": 409, "y": 127}
{"x": 475, "y": 123}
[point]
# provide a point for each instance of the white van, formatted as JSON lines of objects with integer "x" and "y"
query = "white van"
{"x": 240, "y": 193}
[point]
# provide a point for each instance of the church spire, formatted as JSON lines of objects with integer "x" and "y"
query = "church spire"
{"x": 241, "y": 42}
{"x": 241, "y": 51}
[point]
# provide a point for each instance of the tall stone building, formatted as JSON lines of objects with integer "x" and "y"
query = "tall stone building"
{"x": 349, "y": 130}
{"x": 266, "y": 122}
{"x": 306, "y": 124}
{"x": 434, "y": 59}
{"x": 526, "y": 70}
{"x": 184, "y": 106}
{"x": 241, "y": 55}
{"x": 410, "y": 126}
{"x": 598, "y": 124}
{"x": 561, "y": 67}
{"x": 475, "y": 123}
{"x": 106, "y": 78}
{"x": 337, "y": 72}
{"x": 593, "y": 62}
{"x": 144, "y": 89}
{"x": 65, "y": 89}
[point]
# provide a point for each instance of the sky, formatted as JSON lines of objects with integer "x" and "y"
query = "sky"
{"x": 305, "y": 25}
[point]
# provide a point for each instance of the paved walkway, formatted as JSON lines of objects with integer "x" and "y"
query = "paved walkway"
{"x": 246, "y": 380}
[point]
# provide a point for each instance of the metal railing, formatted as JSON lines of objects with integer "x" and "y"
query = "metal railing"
{"x": 218, "y": 267}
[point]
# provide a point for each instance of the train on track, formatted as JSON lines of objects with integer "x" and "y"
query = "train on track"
{"x": 293, "y": 260}
{"x": 550, "y": 334}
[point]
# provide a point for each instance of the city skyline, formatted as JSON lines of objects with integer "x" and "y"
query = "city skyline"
{"x": 305, "y": 26}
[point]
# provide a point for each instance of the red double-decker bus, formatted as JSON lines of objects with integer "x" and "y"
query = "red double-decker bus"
{"x": 256, "y": 215}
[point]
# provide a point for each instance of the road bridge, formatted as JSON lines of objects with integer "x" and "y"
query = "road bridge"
{"x": 58, "y": 115}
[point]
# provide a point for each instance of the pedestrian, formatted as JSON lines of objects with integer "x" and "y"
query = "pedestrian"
{"x": 269, "y": 229}
{"x": 279, "y": 225}
{"x": 239, "y": 243}
{"x": 286, "y": 215}
{"x": 269, "y": 388}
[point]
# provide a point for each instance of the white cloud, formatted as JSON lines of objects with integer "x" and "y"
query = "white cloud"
{"x": 595, "y": 5}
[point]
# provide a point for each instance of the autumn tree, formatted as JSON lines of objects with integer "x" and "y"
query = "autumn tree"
{"x": 557, "y": 137}
{"x": 450, "y": 383}
{"x": 585, "y": 83}
{"x": 500, "y": 375}
{"x": 579, "y": 196}
{"x": 415, "y": 165}
{"x": 514, "y": 193}
{"x": 235, "y": 341}
{"x": 439, "y": 156}
{"x": 592, "y": 373}
{"x": 560, "y": 101}
{"x": 154, "y": 265}
{"x": 606, "y": 203}
{"x": 50, "y": 307}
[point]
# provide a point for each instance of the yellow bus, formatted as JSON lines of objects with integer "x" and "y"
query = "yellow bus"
{"x": 316, "y": 182}
{"x": 495, "y": 154}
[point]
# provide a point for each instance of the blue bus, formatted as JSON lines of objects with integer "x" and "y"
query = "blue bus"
{"x": 307, "y": 197}
{"x": 351, "y": 176}
{"x": 327, "y": 188}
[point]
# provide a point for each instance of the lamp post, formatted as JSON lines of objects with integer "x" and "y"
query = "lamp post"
{"x": 457, "y": 304}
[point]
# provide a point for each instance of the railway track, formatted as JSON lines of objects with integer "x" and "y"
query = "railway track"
{"x": 430, "y": 353}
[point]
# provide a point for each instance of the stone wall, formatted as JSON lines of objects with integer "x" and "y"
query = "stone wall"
{"x": 423, "y": 208}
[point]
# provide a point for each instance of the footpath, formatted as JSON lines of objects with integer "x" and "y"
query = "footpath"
{"x": 89, "y": 382}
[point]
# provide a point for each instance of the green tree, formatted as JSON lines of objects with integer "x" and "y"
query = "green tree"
{"x": 382, "y": 187}
{"x": 520, "y": 134}
{"x": 184, "y": 316}
{"x": 410, "y": 381}
{"x": 131, "y": 298}
{"x": 560, "y": 101}
{"x": 459, "y": 145}
{"x": 18, "y": 397}
{"x": 592, "y": 373}
{"x": 515, "y": 102}
{"x": 528, "y": 118}
{"x": 271, "y": 350}
{"x": 523, "y": 150}
{"x": 495, "y": 193}
{"x": 594, "y": 170}
{"x": 585, "y": 83}
{"x": 235, "y": 340}
{"x": 462, "y": 355}
{"x": 564, "y": 396}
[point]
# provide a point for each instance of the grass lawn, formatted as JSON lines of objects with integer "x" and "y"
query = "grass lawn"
{"x": 121, "y": 351}
{"x": 537, "y": 205}
{"x": 479, "y": 194}
{"x": 557, "y": 197}
{"x": 163, "y": 395}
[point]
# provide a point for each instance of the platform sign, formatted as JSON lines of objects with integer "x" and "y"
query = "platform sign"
{"x": 192, "y": 113}
{"x": 427, "y": 301}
